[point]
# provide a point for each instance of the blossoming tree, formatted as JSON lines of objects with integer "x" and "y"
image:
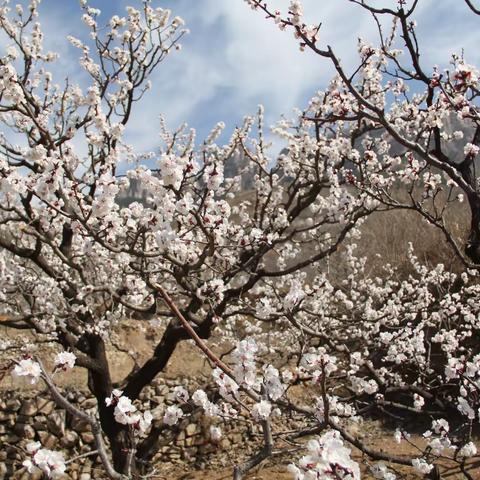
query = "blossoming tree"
{"x": 205, "y": 259}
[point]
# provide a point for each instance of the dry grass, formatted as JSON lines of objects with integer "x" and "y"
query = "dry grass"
{"x": 386, "y": 237}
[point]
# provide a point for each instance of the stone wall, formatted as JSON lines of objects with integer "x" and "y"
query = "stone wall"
{"x": 28, "y": 417}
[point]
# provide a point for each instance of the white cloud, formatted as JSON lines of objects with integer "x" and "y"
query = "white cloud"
{"x": 234, "y": 58}
{"x": 250, "y": 59}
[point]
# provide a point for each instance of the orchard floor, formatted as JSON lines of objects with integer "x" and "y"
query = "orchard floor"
{"x": 187, "y": 361}
{"x": 280, "y": 472}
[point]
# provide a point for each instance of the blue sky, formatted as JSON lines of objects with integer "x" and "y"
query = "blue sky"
{"x": 233, "y": 59}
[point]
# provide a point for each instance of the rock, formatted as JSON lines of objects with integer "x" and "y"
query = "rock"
{"x": 45, "y": 405}
{"x": 69, "y": 440}
{"x": 47, "y": 440}
{"x": 89, "y": 403}
{"x": 161, "y": 390}
{"x": 84, "y": 449}
{"x": 87, "y": 437}
{"x": 147, "y": 393}
{"x": 80, "y": 425}
{"x": 191, "y": 429}
{"x": 29, "y": 408}
{"x": 39, "y": 422}
{"x": 56, "y": 423}
{"x": 74, "y": 397}
{"x": 86, "y": 473}
{"x": 24, "y": 430}
{"x": 171, "y": 398}
{"x": 20, "y": 418}
{"x": 9, "y": 438}
{"x": 32, "y": 476}
{"x": 3, "y": 471}
{"x": 158, "y": 412}
{"x": 13, "y": 405}
{"x": 158, "y": 399}
{"x": 10, "y": 452}
{"x": 225, "y": 443}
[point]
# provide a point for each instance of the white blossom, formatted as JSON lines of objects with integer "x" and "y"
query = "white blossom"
{"x": 65, "y": 360}
{"x": 172, "y": 415}
{"x": 28, "y": 368}
{"x": 261, "y": 410}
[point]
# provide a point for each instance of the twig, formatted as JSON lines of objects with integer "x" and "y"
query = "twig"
{"x": 83, "y": 455}
{"x": 74, "y": 411}
{"x": 265, "y": 452}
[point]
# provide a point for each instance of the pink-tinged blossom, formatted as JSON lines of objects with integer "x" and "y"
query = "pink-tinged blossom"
{"x": 228, "y": 387}
{"x": 465, "y": 409}
{"x": 319, "y": 363}
{"x": 199, "y": 398}
{"x": 440, "y": 426}
{"x": 171, "y": 170}
{"x": 468, "y": 450}
{"x": 471, "y": 150}
{"x": 124, "y": 410}
{"x": 328, "y": 459}
{"x": 145, "y": 421}
{"x": 296, "y": 11}
{"x": 454, "y": 368}
{"x": 114, "y": 397}
{"x": 181, "y": 393}
{"x": 294, "y": 296}
{"x": 272, "y": 383}
{"x": 336, "y": 408}
{"x": 65, "y": 360}
{"x": 244, "y": 369}
{"x": 418, "y": 401}
{"x": 466, "y": 75}
{"x": 28, "y": 368}
{"x": 421, "y": 466}
{"x": 261, "y": 410}
{"x": 49, "y": 462}
{"x": 381, "y": 472}
{"x": 212, "y": 291}
{"x": 172, "y": 415}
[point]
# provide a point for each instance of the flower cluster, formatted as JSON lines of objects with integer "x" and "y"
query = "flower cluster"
{"x": 126, "y": 413}
{"x": 50, "y": 463}
{"x": 28, "y": 368}
{"x": 328, "y": 458}
{"x": 65, "y": 360}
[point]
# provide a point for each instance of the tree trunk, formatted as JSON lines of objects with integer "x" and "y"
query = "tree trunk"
{"x": 100, "y": 384}
{"x": 472, "y": 248}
